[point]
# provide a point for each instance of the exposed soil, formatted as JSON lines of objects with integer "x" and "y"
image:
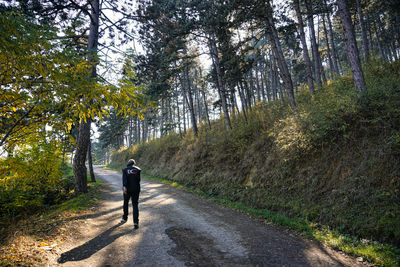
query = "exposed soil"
{"x": 197, "y": 250}
{"x": 178, "y": 228}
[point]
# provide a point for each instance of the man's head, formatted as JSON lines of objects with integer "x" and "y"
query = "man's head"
{"x": 131, "y": 162}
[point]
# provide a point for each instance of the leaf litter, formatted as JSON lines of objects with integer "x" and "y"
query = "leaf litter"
{"x": 36, "y": 240}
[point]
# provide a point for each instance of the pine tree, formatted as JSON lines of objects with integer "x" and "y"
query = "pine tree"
{"x": 351, "y": 46}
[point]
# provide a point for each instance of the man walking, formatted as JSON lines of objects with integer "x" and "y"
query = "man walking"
{"x": 131, "y": 189}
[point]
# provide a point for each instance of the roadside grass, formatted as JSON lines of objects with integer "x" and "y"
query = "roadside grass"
{"x": 81, "y": 202}
{"x": 31, "y": 240}
{"x": 370, "y": 251}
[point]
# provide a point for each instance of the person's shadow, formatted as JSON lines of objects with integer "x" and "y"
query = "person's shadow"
{"x": 87, "y": 249}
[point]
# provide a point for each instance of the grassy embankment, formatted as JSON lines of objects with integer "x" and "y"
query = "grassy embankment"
{"x": 331, "y": 171}
{"x": 28, "y": 237}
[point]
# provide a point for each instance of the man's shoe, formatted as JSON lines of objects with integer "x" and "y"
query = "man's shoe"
{"x": 136, "y": 226}
{"x": 123, "y": 221}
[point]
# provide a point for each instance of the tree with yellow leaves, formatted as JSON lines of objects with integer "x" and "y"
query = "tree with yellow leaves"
{"x": 45, "y": 81}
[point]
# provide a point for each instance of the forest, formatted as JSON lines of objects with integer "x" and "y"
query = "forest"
{"x": 289, "y": 107}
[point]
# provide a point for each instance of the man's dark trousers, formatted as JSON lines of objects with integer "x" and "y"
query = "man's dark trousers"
{"x": 135, "y": 199}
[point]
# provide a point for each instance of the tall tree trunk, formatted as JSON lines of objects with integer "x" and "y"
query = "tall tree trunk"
{"x": 197, "y": 96}
{"x": 206, "y": 108}
{"x": 220, "y": 82}
{"x": 397, "y": 21}
{"x": 389, "y": 51}
{"x": 267, "y": 81}
{"x": 144, "y": 131}
{"x": 231, "y": 97}
{"x": 247, "y": 93}
{"x": 323, "y": 76}
{"x": 242, "y": 95}
{"x": 205, "y": 102}
{"x": 328, "y": 48}
{"x": 332, "y": 41}
{"x": 278, "y": 54}
{"x": 314, "y": 46}
{"x": 138, "y": 131}
{"x": 251, "y": 87}
{"x": 386, "y": 44}
{"x": 243, "y": 101}
{"x": 90, "y": 162}
{"x": 351, "y": 46}
{"x": 190, "y": 101}
{"x": 363, "y": 31}
{"x": 272, "y": 76}
{"x": 162, "y": 131}
{"x": 64, "y": 144}
{"x": 79, "y": 168}
{"x": 253, "y": 91}
{"x": 393, "y": 49}
{"x": 130, "y": 132}
{"x": 280, "y": 91}
{"x": 263, "y": 85}
{"x": 370, "y": 36}
{"x": 183, "y": 109}
{"x": 235, "y": 103}
{"x": 378, "y": 41}
{"x": 178, "y": 114}
{"x": 257, "y": 84}
{"x": 168, "y": 115}
{"x": 302, "y": 35}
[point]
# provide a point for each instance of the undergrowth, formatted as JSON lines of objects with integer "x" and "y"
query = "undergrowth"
{"x": 33, "y": 178}
{"x": 66, "y": 202}
{"x": 26, "y": 240}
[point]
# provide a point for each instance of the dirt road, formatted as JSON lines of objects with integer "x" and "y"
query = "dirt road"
{"x": 178, "y": 228}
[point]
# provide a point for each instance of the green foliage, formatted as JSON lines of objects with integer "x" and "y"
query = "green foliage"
{"x": 45, "y": 82}
{"x": 40, "y": 80}
{"x": 330, "y": 112}
{"x": 32, "y": 178}
{"x": 381, "y": 102}
{"x": 112, "y": 129}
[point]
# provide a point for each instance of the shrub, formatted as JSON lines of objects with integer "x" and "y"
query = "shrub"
{"x": 331, "y": 112}
{"x": 30, "y": 179}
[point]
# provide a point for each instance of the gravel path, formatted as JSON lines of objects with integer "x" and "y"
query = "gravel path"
{"x": 178, "y": 228}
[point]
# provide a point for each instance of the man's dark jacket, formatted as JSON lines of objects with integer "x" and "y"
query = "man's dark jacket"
{"x": 131, "y": 178}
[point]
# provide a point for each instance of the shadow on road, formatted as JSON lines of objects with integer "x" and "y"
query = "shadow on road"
{"x": 94, "y": 215}
{"x": 87, "y": 249}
